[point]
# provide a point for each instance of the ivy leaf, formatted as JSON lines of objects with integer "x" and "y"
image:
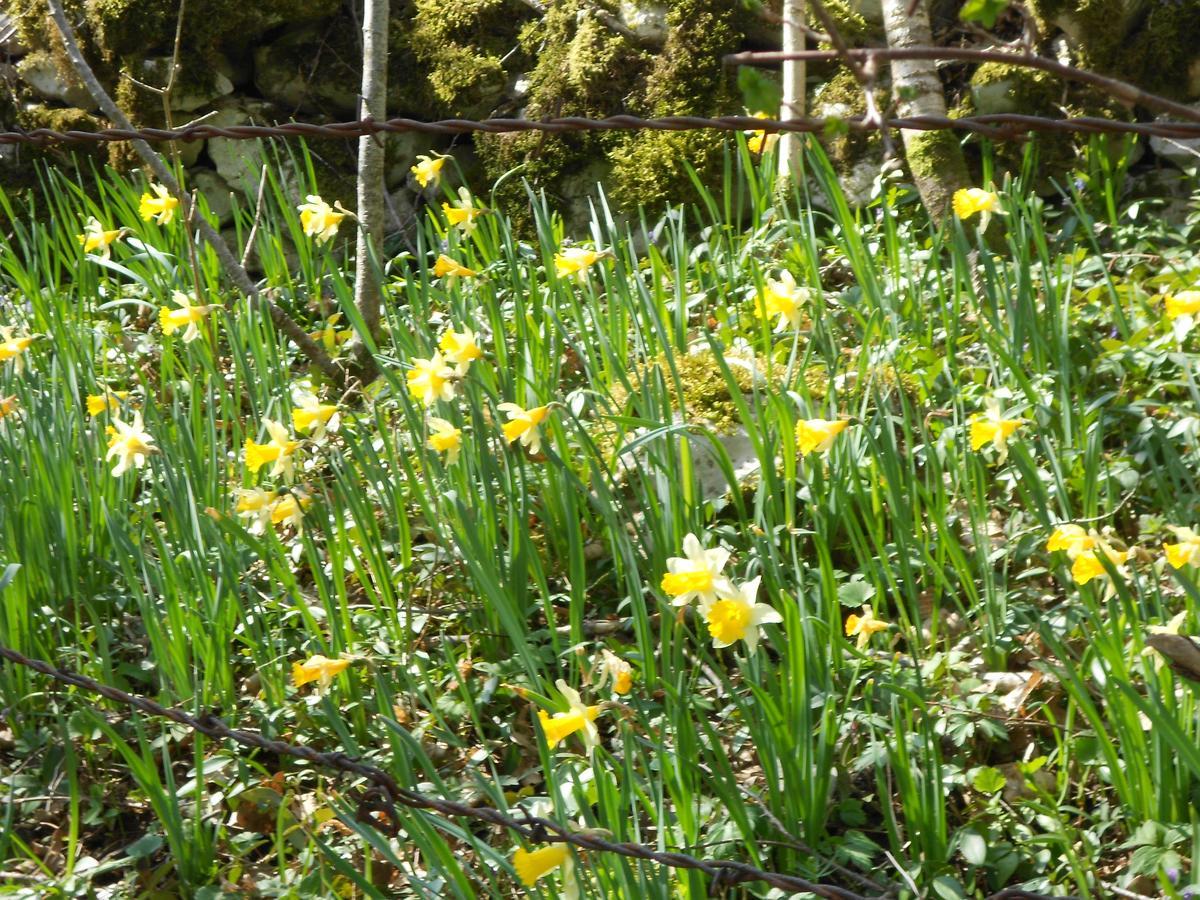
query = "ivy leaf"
{"x": 760, "y": 93}
{"x": 985, "y": 12}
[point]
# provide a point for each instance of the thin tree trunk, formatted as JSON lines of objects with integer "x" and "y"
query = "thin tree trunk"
{"x": 237, "y": 274}
{"x": 371, "y": 208}
{"x": 935, "y": 158}
{"x": 794, "y": 12}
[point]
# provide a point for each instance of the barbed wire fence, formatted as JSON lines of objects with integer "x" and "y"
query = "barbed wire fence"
{"x": 382, "y": 793}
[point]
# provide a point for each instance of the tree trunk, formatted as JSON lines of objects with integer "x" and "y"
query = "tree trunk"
{"x": 369, "y": 253}
{"x": 794, "y": 13}
{"x": 935, "y": 158}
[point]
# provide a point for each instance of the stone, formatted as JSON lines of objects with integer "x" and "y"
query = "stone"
{"x": 239, "y": 162}
{"x": 48, "y": 81}
{"x": 1181, "y": 152}
{"x": 281, "y": 76}
{"x": 10, "y": 40}
{"x": 646, "y": 19}
{"x": 217, "y": 194}
{"x": 156, "y": 72}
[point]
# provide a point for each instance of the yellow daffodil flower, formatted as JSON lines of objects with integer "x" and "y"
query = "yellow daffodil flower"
{"x": 969, "y": 201}
{"x": 427, "y": 169}
{"x": 1088, "y": 566}
{"x": 1185, "y": 303}
{"x": 578, "y": 717}
{"x": 157, "y": 204}
{"x": 531, "y": 865}
{"x": 524, "y": 424}
{"x": 463, "y": 215}
{"x": 697, "y": 575}
{"x": 862, "y": 627}
{"x": 187, "y": 316}
{"x": 1186, "y": 552}
{"x": 758, "y": 142}
{"x": 319, "y": 669}
{"x": 8, "y": 406}
{"x": 1074, "y": 539}
{"x": 445, "y": 438}
{"x": 444, "y": 267}
{"x": 740, "y": 617}
{"x": 619, "y": 670}
{"x": 460, "y": 348}
{"x": 993, "y": 428}
{"x": 312, "y": 416}
{"x": 94, "y": 238}
{"x": 430, "y": 380}
{"x": 288, "y": 510}
{"x": 255, "y": 505}
{"x": 319, "y": 219}
{"x": 816, "y": 435}
{"x": 129, "y": 443}
{"x": 575, "y": 261}
{"x": 784, "y": 299}
{"x": 13, "y": 347}
{"x": 278, "y": 451}
{"x": 109, "y": 400}
{"x": 330, "y": 337}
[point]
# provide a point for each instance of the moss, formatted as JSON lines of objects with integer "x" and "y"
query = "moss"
{"x": 842, "y": 97}
{"x": 705, "y": 396}
{"x": 931, "y": 154}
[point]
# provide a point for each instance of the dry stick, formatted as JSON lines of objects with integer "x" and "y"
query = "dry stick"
{"x": 533, "y": 828}
{"x": 1121, "y": 90}
{"x": 228, "y": 261}
{"x": 368, "y": 255}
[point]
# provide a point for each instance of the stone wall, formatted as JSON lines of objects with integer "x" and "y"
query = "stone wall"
{"x": 273, "y": 60}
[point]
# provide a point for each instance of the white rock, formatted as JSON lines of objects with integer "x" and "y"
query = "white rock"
{"x": 648, "y": 20}
{"x": 1181, "y": 152}
{"x": 292, "y": 86}
{"x": 217, "y": 194}
{"x": 39, "y": 71}
{"x": 10, "y": 43}
{"x": 240, "y": 163}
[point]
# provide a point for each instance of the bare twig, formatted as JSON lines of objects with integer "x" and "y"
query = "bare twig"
{"x": 162, "y": 172}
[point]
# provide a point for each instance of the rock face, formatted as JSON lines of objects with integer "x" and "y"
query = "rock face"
{"x": 47, "y": 79}
{"x": 1181, "y": 152}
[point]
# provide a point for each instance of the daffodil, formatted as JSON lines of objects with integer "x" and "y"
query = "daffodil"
{"x": 1088, "y": 565}
{"x": 531, "y": 865}
{"x": 463, "y": 215}
{"x": 524, "y": 424}
{"x": 970, "y": 201}
{"x": 255, "y": 505}
{"x": 460, "y": 348}
{"x": 430, "y": 380}
{"x": 109, "y": 400}
{"x": 697, "y": 575}
{"x": 445, "y": 438}
{"x": 1074, "y": 539}
{"x": 1186, "y": 552}
{"x": 312, "y": 416}
{"x": 862, "y": 627}
{"x": 444, "y": 267}
{"x": 278, "y": 450}
{"x": 760, "y": 141}
{"x": 427, "y": 169}
{"x": 158, "y": 204}
{"x": 578, "y": 717}
{"x": 319, "y": 669}
{"x": 95, "y": 237}
{"x": 993, "y": 428}
{"x": 331, "y": 337}
{"x": 785, "y": 299}
{"x": 289, "y": 509}
{"x": 574, "y": 261}
{"x": 129, "y": 443}
{"x": 188, "y": 316}
{"x": 740, "y": 617}
{"x": 8, "y": 406}
{"x": 13, "y": 347}
{"x": 619, "y": 670}
{"x": 1185, "y": 303}
{"x": 319, "y": 219}
{"x": 816, "y": 435}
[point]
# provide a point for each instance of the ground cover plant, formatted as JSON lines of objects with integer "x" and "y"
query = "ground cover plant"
{"x": 827, "y": 539}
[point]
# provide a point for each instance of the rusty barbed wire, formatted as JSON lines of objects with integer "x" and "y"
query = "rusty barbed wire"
{"x": 998, "y": 126}
{"x": 389, "y": 793}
